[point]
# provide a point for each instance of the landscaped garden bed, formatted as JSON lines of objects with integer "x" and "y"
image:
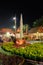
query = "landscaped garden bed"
{"x": 31, "y": 53}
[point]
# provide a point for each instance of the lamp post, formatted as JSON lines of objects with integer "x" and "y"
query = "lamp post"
{"x": 15, "y": 24}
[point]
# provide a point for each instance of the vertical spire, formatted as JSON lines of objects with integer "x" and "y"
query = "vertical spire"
{"x": 21, "y": 27}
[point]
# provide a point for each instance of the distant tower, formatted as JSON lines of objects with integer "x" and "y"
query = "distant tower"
{"x": 21, "y": 27}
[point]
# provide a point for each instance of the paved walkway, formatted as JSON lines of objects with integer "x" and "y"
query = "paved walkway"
{"x": 31, "y": 42}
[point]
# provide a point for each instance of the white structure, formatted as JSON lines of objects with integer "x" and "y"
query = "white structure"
{"x": 21, "y": 27}
{"x": 8, "y": 34}
{"x": 17, "y": 35}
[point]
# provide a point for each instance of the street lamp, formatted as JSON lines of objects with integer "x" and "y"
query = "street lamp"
{"x": 14, "y": 18}
{"x": 14, "y": 27}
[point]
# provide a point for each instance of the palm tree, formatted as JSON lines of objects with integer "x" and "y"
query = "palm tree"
{"x": 25, "y": 28}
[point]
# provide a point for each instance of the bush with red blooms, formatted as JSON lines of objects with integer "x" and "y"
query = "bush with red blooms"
{"x": 20, "y": 41}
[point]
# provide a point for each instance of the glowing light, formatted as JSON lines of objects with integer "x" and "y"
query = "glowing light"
{"x": 7, "y": 33}
{"x": 14, "y": 18}
{"x": 14, "y": 27}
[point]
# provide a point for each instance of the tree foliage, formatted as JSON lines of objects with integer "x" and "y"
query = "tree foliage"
{"x": 38, "y": 22}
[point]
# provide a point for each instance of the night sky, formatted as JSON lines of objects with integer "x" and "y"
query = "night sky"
{"x": 31, "y": 11}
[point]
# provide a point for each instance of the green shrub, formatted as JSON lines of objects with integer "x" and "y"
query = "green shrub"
{"x": 34, "y": 51}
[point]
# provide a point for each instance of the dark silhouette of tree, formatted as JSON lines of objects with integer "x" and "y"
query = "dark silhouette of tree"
{"x": 38, "y": 22}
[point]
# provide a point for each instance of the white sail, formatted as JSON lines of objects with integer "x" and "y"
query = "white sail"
{"x": 21, "y": 27}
